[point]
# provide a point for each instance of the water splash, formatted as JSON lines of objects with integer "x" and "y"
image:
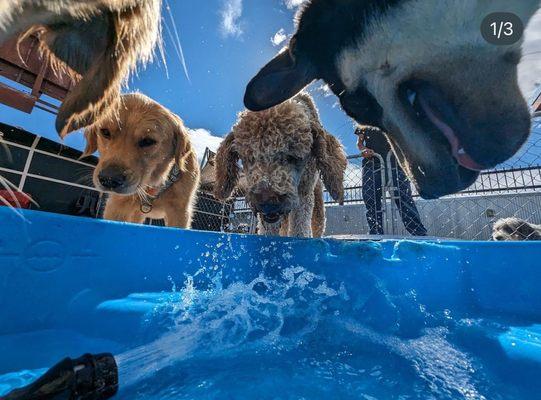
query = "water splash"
{"x": 262, "y": 313}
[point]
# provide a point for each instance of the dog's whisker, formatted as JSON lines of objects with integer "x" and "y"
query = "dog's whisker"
{"x": 85, "y": 180}
{"x": 15, "y": 211}
{"x": 14, "y": 187}
{"x": 143, "y": 196}
{"x": 4, "y": 183}
{"x": 7, "y": 203}
{"x": 7, "y": 184}
{"x": 5, "y": 147}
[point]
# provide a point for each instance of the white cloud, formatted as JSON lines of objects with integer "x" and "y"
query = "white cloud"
{"x": 291, "y": 4}
{"x": 279, "y": 37}
{"x": 325, "y": 90}
{"x": 201, "y": 139}
{"x": 231, "y": 13}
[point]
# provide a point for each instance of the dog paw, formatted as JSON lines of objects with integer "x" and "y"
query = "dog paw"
{"x": 514, "y": 229}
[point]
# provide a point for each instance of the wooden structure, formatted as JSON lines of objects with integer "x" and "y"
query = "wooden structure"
{"x": 23, "y": 64}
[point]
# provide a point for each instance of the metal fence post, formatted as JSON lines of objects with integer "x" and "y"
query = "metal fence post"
{"x": 392, "y": 193}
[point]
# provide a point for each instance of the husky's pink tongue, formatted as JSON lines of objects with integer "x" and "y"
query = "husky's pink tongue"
{"x": 459, "y": 153}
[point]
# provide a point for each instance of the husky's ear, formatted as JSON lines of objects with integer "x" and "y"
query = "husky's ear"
{"x": 282, "y": 78}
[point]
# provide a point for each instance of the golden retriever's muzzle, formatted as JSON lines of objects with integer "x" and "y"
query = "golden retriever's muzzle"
{"x": 115, "y": 178}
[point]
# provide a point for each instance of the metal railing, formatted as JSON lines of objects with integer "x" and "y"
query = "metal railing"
{"x": 513, "y": 189}
{"x": 209, "y": 213}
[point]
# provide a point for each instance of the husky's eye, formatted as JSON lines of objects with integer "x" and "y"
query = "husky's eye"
{"x": 105, "y": 133}
{"x": 146, "y": 142}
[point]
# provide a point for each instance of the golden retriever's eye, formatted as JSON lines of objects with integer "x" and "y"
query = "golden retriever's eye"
{"x": 146, "y": 142}
{"x": 105, "y": 133}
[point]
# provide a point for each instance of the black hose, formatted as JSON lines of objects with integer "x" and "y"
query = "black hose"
{"x": 90, "y": 377}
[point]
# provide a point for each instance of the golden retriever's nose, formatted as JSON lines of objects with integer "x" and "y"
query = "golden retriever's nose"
{"x": 112, "y": 177}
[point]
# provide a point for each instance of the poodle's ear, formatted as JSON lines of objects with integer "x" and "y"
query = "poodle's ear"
{"x": 226, "y": 169}
{"x": 91, "y": 136}
{"x": 331, "y": 162}
{"x": 182, "y": 144}
{"x": 282, "y": 78}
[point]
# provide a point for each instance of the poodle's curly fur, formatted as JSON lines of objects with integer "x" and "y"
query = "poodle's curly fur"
{"x": 286, "y": 150}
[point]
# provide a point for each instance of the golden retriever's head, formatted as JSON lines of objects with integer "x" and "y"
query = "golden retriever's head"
{"x": 138, "y": 146}
{"x": 281, "y": 150}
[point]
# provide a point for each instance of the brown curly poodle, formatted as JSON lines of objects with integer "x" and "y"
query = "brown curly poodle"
{"x": 284, "y": 151}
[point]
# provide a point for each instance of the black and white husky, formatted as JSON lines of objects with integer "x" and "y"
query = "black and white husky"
{"x": 418, "y": 69}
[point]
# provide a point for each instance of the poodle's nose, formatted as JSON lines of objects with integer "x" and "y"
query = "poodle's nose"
{"x": 112, "y": 177}
{"x": 270, "y": 208}
{"x": 268, "y": 202}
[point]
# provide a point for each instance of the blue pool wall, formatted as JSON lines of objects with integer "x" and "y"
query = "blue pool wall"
{"x": 57, "y": 271}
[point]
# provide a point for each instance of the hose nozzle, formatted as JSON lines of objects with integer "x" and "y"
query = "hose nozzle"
{"x": 89, "y": 377}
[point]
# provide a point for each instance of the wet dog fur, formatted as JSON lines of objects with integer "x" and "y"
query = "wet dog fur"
{"x": 138, "y": 147}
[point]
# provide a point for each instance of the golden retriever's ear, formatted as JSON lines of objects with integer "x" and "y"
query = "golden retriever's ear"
{"x": 226, "y": 169}
{"x": 331, "y": 162}
{"x": 182, "y": 144}
{"x": 91, "y": 136}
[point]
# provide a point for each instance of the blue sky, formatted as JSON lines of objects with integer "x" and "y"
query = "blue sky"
{"x": 224, "y": 42}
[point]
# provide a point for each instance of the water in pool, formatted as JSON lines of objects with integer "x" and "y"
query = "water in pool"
{"x": 293, "y": 334}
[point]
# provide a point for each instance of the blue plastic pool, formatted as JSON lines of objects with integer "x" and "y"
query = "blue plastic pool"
{"x": 194, "y": 315}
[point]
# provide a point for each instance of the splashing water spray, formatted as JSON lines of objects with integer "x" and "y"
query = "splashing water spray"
{"x": 222, "y": 311}
{"x": 97, "y": 376}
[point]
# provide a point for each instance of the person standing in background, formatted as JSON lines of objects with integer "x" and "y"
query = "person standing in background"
{"x": 372, "y": 141}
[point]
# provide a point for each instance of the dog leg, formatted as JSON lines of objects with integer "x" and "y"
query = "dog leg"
{"x": 284, "y": 226}
{"x": 318, "y": 215}
{"x": 122, "y": 211}
{"x": 300, "y": 220}
{"x": 179, "y": 220}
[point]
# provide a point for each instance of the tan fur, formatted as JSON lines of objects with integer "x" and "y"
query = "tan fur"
{"x": 266, "y": 142}
{"x": 318, "y": 215}
{"x": 140, "y": 117}
{"x": 99, "y": 42}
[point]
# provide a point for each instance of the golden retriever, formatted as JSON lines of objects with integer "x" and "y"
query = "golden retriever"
{"x": 98, "y": 42}
{"x": 147, "y": 163}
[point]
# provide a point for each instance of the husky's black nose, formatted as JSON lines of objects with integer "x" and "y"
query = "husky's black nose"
{"x": 112, "y": 177}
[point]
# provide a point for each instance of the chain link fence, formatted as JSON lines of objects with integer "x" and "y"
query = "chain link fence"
{"x": 510, "y": 190}
{"x": 378, "y": 199}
